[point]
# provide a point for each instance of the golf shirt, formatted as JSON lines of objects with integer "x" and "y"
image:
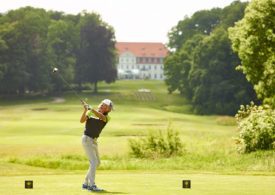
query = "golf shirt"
{"x": 94, "y": 125}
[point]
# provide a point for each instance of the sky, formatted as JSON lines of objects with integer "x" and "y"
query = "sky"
{"x": 133, "y": 20}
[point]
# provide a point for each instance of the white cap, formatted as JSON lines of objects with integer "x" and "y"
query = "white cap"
{"x": 109, "y": 103}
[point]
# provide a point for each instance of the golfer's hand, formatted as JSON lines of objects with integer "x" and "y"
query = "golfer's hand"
{"x": 85, "y": 105}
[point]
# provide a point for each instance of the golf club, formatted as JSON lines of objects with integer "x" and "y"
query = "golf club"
{"x": 56, "y": 71}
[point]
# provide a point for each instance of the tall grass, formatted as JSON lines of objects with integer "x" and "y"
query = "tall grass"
{"x": 157, "y": 144}
{"x": 261, "y": 162}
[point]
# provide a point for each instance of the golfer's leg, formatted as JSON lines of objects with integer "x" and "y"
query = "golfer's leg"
{"x": 90, "y": 175}
{"x": 94, "y": 162}
{"x": 97, "y": 154}
{"x": 86, "y": 146}
{"x": 89, "y": 148}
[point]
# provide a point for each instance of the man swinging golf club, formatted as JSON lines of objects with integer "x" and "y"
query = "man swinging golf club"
{"x": 95, "y": 119}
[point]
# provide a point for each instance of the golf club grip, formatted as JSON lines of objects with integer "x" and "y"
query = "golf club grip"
{"x": 86, "y": 105}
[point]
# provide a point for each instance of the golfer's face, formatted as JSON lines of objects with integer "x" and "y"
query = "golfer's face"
{"x": 103, "y": 108}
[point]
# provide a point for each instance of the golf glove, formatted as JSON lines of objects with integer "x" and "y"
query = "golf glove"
{"x": 88, "y": 107}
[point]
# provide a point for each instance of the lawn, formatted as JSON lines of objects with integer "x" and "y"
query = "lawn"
{"x": 42, "y": 136}
{"x": 141, "y": 182}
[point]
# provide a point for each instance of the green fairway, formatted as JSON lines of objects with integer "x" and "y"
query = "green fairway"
{"x": 132, "y": 182}
{"x": 40, "y": 139}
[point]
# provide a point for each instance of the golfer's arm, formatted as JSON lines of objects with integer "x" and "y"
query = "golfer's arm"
{"x": 99, "y": 115}
{"x": 83, "y": 116}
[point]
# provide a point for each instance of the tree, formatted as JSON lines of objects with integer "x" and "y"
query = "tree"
{"x": 96, "y": 57}
{"x": 253, "y": 38}
{"x": 178, "y": 64}
{"x": 24, "y": 32}
{"x": 33, "y": 41}
{"x": 3, "y": 48}
{"x": 202, "y": 67}
{"x": 172, "y": 71}
{"x": 217, "y": 87}
{"x": 202, "y": 22}
{"x": 62, "y": 43}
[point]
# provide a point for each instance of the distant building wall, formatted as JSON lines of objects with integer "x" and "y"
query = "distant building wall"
{"x": 141, "y": 60}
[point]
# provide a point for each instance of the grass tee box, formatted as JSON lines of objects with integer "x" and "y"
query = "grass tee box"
{"x": 133, "y": 182}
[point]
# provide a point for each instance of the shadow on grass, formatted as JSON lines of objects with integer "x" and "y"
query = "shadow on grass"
{"x": 109, "y": 192}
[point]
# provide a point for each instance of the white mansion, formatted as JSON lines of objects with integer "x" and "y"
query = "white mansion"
{"x": 139, "y": 60}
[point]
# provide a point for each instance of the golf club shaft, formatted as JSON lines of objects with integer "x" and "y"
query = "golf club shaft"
{"x": 82, "y": 101}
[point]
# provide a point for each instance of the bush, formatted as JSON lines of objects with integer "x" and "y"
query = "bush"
{"x": 257, "y": 128}
{"x": 156, "y": 145}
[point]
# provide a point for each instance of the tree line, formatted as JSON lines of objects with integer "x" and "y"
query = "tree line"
{"x": 34, "y": 41}
{"x": 253, "y": 38}
{"x": 202, "y": 64}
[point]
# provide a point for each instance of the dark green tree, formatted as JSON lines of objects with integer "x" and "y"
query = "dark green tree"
{"x": 202, "y": 22}
{"x": 3, "y": 48}
{"x": 33, "y": 41}
{"x": 62, "y": 43}
{"x": 25, "y": 56}
{"x": 178, "y": 64}
{"x": 217, "y": 87}
{"x": 202, "y": 67}
{"x": 96, "y": 57}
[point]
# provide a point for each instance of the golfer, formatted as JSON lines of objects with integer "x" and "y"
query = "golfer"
{"x": 95, "y": 119}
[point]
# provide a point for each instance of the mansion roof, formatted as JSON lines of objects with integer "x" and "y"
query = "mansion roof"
{"x": 142, "y": 49}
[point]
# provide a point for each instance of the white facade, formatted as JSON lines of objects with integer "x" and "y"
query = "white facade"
{"x": 133, "y": 67}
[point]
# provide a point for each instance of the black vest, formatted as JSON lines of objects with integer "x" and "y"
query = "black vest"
{"x": 93, "y": 127}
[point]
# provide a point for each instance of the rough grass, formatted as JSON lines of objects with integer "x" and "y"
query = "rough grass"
{"x": 43, "y": 133}
{"x": 40, "y": 140}
{"x": 213, "y": 162}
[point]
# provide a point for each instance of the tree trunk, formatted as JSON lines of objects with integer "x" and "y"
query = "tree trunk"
{"x": 79, "y": 89}
{"x": 21, "y": 90}
{"x": 95, "y": 87}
